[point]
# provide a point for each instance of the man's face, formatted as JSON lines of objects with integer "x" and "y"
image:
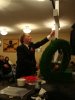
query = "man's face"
{"x": 27, "y": 39}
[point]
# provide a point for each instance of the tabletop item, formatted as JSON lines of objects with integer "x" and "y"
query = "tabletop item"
{"x": 14, "y": 91}
{"x": 21, "y": 82}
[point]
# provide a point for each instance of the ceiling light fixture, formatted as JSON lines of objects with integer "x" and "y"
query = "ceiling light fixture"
{"x": 3, "y": 32}
{"x": 27, "y": 30}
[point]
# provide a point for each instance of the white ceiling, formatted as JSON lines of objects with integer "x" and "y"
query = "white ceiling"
{"x": 38, "y": 14}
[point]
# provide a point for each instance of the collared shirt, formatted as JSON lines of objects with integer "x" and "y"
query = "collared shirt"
{"x": 26, "y": 46}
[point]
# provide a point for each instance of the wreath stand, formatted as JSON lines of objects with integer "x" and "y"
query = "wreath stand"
{"x": 59, "y": 70}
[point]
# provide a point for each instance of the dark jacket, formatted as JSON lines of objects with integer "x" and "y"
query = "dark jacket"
{"x": 6, "y": 70}
{"x": 26, "y": 63}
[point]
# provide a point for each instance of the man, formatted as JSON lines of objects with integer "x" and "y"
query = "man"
{"x": 26, "y": 63}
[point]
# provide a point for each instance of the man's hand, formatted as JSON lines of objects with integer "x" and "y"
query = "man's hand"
{"x": 52, "y": 33}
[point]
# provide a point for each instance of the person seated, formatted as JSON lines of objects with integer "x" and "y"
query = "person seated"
{"x": 6, "y": 69}
{"x": 1, "y": 65}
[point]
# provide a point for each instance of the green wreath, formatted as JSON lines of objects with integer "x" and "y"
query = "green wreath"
{"x": 46, "y": 64}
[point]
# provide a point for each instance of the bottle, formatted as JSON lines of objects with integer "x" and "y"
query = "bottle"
{"x": 37, "y": 86}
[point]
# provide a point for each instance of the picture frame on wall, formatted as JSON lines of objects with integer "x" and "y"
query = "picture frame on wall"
{"x": 10, "y": 45}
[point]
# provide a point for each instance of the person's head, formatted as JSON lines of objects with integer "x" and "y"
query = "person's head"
{"x": 6, "y": 58}
{"x": 26, "y": 39}
{"x": 1, "y": 57}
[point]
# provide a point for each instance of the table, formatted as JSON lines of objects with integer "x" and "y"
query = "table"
{"x": 67, "y": 88}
